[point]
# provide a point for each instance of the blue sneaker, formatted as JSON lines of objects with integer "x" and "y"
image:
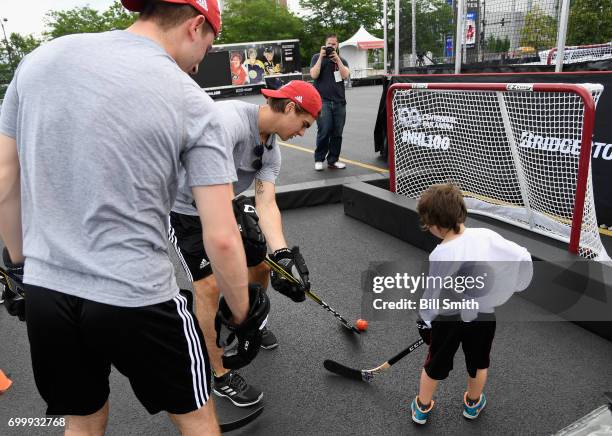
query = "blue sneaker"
{"x": 472, "y": 412}
{"x": 418, "y": 415}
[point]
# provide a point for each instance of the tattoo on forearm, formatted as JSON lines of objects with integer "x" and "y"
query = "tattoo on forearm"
{"x": 259, "y": 187}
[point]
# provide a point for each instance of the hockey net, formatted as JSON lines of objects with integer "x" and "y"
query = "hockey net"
{"x": 580, "y": 53}
{"x": 520, "y": 153}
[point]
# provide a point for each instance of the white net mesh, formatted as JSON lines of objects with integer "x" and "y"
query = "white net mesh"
{"x": 514, "y": 155}
{"x": 578, "y": 53}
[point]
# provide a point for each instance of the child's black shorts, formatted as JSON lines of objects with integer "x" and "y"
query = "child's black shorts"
{"x": 448, "y": 332}
{"x": 74, "y": 342}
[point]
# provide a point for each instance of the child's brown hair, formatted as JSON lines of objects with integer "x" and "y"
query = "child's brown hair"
{"x": 442, "y": 206}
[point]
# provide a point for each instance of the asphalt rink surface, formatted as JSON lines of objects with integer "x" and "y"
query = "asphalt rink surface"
{"x": 543, "y": 375}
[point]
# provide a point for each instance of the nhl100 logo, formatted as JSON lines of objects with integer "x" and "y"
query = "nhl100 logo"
{"x": 411, "y": 118}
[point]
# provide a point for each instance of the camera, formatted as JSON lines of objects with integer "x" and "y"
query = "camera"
{"x": 329, "y": 51}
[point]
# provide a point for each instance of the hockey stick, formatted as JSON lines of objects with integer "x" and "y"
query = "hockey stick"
{"x": 235, "y": 425}
{"x": 367, "y": 375}
{"x": 314, "y": 297}
{"x": 9, "y": 283}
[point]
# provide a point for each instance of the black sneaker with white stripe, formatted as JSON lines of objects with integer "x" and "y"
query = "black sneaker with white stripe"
{"x": 234, "y": 387}
{"x": 268, "y": 340}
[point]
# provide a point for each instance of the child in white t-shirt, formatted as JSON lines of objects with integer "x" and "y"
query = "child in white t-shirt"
{"x": 442, "y": 212}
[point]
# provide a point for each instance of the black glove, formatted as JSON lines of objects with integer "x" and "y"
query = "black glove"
{"x": 253, "y": 239}
{"x": 424, "y": 331}
{"x": 293, "y": 263}
{"x": 13, "y": 293}
{"x": 241, "y": 343}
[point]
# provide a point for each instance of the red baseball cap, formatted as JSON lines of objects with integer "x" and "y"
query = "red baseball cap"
{"x": 208, "y": 8}
{"x": 301, "y": 93}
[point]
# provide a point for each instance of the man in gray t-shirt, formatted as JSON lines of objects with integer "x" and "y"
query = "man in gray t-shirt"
{"x": 93, "y": 131}
{"x": 252, "y": 133}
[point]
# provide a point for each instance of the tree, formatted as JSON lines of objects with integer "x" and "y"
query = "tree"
{"x": 342, "y": 17}
{"x": 258, "y": 20}
{"x": 491, "y": 44}
{"x": 539, "y": 30}
{"x": 434, "y": 19}
{"x": 59, "y": 23}
{"x": 11, "y": 54}
{"x": 505, "y": 45}
{"x": 590, "y": 22}
{"x": 87, "y": 20}
{"x": 18, "y": 46}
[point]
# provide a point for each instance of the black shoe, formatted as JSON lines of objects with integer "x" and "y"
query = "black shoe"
{"x": 268, "y": 340}
{"x": 234, "y": 387}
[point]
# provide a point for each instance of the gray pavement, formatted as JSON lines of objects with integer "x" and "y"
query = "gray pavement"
{"x": 544, "y": 375}
{"x": 357, "y": 144}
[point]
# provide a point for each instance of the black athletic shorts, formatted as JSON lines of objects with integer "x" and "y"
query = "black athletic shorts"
{"x": 185, "y": 234}
{"x": 74, "y": 342}
{"x": 475, "y": 337}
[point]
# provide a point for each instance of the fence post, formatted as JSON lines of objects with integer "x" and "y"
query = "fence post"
{"x": 561, "y": 35}
{"x": 459, "y": 37}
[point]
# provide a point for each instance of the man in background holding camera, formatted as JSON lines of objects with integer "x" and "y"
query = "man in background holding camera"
{"x": 329, "y": 71}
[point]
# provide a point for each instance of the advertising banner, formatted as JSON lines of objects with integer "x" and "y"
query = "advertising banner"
{"x": 239, "y": 69}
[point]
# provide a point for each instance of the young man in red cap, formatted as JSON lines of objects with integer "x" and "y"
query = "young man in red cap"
{"x": 252, "y": 130}
{"x": 88, "y": 173}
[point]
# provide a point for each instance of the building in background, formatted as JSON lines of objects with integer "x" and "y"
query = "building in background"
{"x": 505, "y": 19}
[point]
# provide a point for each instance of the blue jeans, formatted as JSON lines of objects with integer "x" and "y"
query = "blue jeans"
{"x": 330, "y": 125}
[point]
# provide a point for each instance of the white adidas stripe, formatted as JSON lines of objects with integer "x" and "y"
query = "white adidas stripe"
{"x": 198, "y": 348}
{"x": 173, "y": 240}
{"x": 195, "y": 352}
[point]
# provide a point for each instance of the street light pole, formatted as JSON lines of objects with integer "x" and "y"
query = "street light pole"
{"x": 396, "y": 42}
{"x": 385, "y": 12}
{"x": 414, "y": 52}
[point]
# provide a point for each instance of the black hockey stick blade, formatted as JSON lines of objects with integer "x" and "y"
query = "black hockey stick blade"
{"x": 235, "y": 425}
{"x": 340, "y": 369}
{"x": 367, "y": 375}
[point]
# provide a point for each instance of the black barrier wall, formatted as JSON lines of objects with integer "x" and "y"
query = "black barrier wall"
{"x": 602, "y": 141}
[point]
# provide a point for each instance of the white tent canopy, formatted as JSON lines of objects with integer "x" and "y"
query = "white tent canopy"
{"x": 364, "y": 40}
{"x": 355, "y": 51}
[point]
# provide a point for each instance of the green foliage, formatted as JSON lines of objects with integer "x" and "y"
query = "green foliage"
{"x": 505, "y": 44}
{"x": 343, "y": 17}
{"x": 258, "y": 20}
{"x": 590, "y": 22}
{"x": 59, "y": 23}
{"x": 11, "y": 54}
{"x": 497, "y": 45}
{"x": 434, "y": 19}
{"x": 539, "y": 30}
{"x": 87, "y": 20}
